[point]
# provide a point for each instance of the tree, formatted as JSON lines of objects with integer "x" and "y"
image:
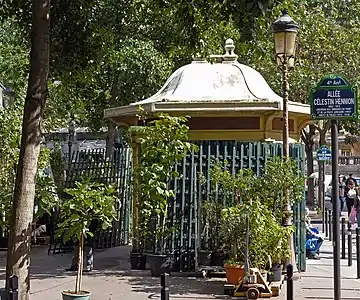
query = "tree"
{"x": 89, "y": 201}
{"x": 18, "y": 258}
{"x": 324, "y": 25}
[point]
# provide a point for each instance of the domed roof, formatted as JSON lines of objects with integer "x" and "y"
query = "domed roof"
{"x": 227, "y": 81}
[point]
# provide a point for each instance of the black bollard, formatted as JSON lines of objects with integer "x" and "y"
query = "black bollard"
{"x": 326, "y": 223}
{"x": 349, "y": 245}
{"x": 13, "y": 288}
{"x": 289, "y": 282}
{"x": 343, "y": 238}
{"x": 164, "y": 280}
{"x": 330, "y": 224}
{"x": 358, "y": 253}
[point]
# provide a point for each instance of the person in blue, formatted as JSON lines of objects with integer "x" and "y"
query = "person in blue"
{"x": 313, "y": 239}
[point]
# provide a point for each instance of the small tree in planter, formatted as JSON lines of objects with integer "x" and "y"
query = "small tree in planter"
{"x": 278, "y": 249}
{"x": 210, "y": 226}
{"x": 164, "y": 143}
{"x": 233, "y": 219}
{"x": 88, "y": 201}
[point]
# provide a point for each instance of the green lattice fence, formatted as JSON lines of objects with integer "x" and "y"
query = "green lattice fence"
{"x": 113, "y": 169}
{"x": 184, "y": 210}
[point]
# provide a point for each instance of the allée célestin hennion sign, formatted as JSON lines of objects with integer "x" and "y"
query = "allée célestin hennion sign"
{"x": 334, "y": 98}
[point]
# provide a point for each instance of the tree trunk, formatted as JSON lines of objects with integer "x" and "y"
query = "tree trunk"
{"x": 80, "y": 264}
{"x": 111, "y": 132}
{"x": 18, "y": 257}
{"x": 308, "y": 139}
{"x": 310, "y": 170}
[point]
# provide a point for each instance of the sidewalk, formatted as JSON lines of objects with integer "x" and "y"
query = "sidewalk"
{"x": 317, "y": 281}
{"x": 114, "y": 280}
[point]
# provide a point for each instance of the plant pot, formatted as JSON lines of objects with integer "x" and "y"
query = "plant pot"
{"x": 234, "y": 273}
{"x": 205, "y": 258}
{"x": 159, "y": 264}
{"x": 264, "y": 274}
{"x": 3, "y": 243}
{"x": 218, "y": 259}
{"x": 275, "y": 273}
{"x": 69, "y": 295}
{"x": 137, "y": 261}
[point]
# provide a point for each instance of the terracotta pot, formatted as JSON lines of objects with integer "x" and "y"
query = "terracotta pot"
{"x": 234, "y": 273}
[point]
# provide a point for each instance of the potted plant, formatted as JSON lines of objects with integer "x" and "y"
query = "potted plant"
{"x": 233, "y": 230}
{"x": 163, "y": 143}
{"x": 239, "y": 189}
{"x": 88, "y": 201}
{"x": 280, "y": 251}
{"x": 210, "y": 214}
{"x": 137, "y": 256}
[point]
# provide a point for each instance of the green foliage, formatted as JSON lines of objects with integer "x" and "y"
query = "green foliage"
{"x": 163, "y": 142}
{"x": 279, "y": 175}
{"x": 128, "y": 70}
{"x": 57, "y": 164}
{"x": 88, "y": 201}
{"x": 261, "y": 200}
{"x": 46, "y": 197}
{"x": 210, "y": 214}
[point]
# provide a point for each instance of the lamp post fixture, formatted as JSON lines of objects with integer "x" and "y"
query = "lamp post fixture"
{"x": 285, "y": 30}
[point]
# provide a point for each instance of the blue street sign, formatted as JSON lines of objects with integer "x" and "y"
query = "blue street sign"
{"x": 334, "y": 98}
{"x": 324, "y": 153}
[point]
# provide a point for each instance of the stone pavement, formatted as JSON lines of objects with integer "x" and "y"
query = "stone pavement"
{"x": 317, "y": 281}
{"x": 112, "y": 279}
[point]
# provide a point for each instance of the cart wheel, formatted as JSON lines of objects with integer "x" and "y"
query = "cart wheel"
{"x": 252, "y": 293}
{"x": 204, "y": 273}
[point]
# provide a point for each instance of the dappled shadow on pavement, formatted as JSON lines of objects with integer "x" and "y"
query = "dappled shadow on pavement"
{"x": 178, "y": 285}
{"x": 112, "y": 269}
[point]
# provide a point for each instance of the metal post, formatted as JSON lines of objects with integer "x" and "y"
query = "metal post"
{"x": 323, "y": 218}
{"x": 287, "y": 209}
{"x": 343, "y": 238}
{"x": 13, "y": 288}
{"x": 164, "y": 281}
{"x": 349, "y": 244}
{"x": 326, "y": 223}
{"x": 330, "y": 221}
{"x": 290, "y": 283}
{"x": 358, "y": 253}
{"x": 336, "y": 208}
{"x": 321, "y": 187}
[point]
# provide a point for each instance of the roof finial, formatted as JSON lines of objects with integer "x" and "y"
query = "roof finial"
{"x": 229, "y": 55}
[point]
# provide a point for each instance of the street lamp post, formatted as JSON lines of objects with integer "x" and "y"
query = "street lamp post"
{"x": 285, "y": 30}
